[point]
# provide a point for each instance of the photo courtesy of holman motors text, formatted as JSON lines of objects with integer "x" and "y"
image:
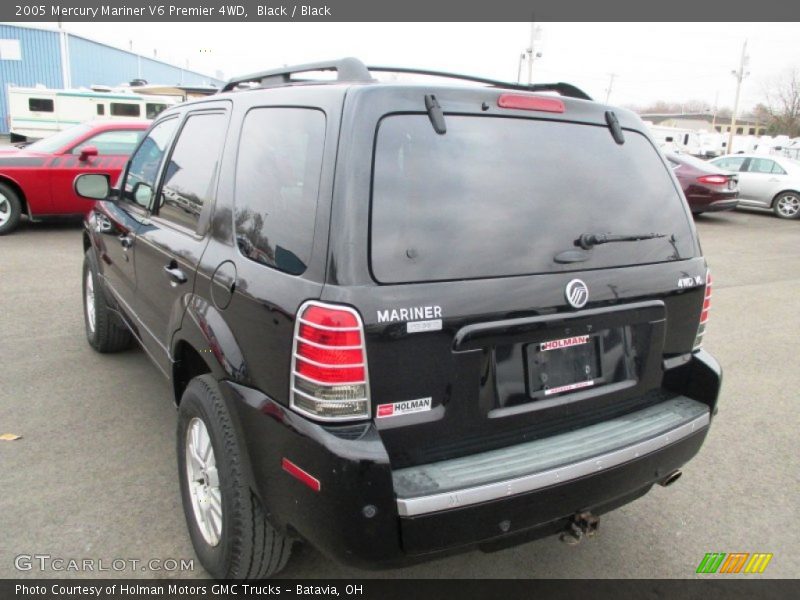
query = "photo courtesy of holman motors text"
{"x": 411, "y": 298}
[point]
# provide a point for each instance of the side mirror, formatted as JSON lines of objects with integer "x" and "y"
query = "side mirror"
{"x": 86, "y": 152}
{"x": 142, "y": 194}
{"x": 92, "y": 186}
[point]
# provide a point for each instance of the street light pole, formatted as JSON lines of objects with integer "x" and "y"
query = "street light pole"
{"x": 611, "y": 77}
{"x": 740, "y": 74}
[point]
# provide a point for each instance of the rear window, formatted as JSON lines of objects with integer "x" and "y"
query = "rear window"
{"x": 498, "y": 196}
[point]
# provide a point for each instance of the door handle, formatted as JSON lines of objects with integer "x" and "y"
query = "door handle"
{"x": 175, "y": 275}
{"x": 126, "y": 241}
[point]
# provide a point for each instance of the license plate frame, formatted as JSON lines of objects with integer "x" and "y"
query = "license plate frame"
{"x": 561, "y": 366}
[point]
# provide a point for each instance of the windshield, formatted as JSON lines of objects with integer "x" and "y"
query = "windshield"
{"x": 60, "y": 139}
{"x": 502, "y": 196}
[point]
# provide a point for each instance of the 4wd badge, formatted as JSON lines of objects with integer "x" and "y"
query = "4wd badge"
{"x": 404, "y": 408}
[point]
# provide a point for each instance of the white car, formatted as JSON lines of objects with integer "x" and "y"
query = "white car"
{"x": 766, "y": 182}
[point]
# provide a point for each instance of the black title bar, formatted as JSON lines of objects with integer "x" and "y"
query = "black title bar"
{"x": 34, "y": 11}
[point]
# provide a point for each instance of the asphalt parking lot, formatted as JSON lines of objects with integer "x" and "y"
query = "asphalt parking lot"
{"x": 94, "y": 474}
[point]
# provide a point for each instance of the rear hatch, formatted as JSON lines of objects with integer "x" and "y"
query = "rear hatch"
{"x": 470, "y": 262}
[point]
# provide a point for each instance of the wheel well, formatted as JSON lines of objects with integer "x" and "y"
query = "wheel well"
{"x": 783, "y": 192}
{"x": 18, "y": 191}
{"x": 188, "y": 365}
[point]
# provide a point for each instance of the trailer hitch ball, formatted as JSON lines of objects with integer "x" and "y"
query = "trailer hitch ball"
{"x": 582, "y": 525}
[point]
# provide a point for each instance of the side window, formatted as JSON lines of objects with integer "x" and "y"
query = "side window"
{"x": 730, "y": 164}
{"x": 763, "y": 165}
{"x": 40, "y": 105}
{"x": 777, "y": 169}
{"x": 151, "y": 111}
{"x": 277, "y": 183}
{"x": 124, "y": 109}
{"x": 191, "y": 173}
{"x": 143, "y": 170}
{"x": 101, "y": 109}
{"x": 121, "y": 142}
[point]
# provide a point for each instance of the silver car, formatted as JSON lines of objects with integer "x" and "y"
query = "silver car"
{"x": 766, "y": 182}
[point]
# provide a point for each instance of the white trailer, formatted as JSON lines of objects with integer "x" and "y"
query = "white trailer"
{"x": 34, "y": 113}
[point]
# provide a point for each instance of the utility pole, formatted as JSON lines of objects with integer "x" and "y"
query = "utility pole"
{"x": 740, "y": 74}
{"x": 716, "y": 107}
{"x": 519, "y": 67}
{"x": 530, "y": 51}
{"x": 611, "y": 77}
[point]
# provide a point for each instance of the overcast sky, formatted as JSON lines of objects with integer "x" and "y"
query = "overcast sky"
{"x": 652, "y": 61}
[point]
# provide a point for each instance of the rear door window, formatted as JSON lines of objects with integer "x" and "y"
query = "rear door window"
{"x": 498, "y": 196}
{"x": 190, "y": 176}
{"x": 277, "y": 182}
{"x": 733, "y": 163}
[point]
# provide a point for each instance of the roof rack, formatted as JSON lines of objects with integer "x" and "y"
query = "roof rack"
{"x": 352, "y": 69}
{"x": 347, "y": 69}
{"x": 564, "y": 89}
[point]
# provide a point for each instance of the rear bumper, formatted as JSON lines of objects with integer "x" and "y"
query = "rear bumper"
{"x": 714, "y": 202}
{"x": 355, "y": 517}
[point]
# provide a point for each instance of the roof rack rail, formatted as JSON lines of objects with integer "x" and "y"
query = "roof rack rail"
{"x": 352, "y": 69}
{"x": 347, "y": 69}
{"x": 564, "y": 89}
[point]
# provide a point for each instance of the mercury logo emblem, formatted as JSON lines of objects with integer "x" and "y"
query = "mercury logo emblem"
{"x": 577, "y": 293}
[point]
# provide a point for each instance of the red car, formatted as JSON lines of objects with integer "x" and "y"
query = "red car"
{"x": 37, "y": 179}
{"x": 706, "y": 187}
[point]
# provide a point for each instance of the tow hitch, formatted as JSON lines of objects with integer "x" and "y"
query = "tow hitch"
{"x": 583, "y": 524}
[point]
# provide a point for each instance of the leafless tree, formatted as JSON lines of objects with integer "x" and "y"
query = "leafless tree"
{"x": 782, "y": 102}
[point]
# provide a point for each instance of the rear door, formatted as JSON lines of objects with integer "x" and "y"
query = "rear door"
{"x": 170, "y": 244}
{"x": 486, "y": 323}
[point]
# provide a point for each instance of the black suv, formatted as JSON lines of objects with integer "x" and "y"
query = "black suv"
{"x": 403, "y": 319}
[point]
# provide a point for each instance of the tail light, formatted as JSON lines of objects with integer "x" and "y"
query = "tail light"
{"x": 713, "y": 179}
{"x": 701, "y": 328}
{"x": 329, "y": 364}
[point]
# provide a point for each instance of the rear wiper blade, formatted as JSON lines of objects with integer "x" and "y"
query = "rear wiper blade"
{"x": 587, "y": 240}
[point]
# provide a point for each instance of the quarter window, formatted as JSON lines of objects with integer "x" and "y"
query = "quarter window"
{"x": 191, "y": 173}
{"x": 143, "y": 170}
{"x": 277, "y": 183}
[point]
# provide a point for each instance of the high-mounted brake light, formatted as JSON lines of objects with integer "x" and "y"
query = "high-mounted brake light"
{"x": 701, "y": 328}
{"x": 541, "y": 103}
{"x": 329, "y": 364}
{"x": 714, "y": 179}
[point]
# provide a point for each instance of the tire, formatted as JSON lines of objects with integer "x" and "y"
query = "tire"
{"x": 104, "y": 330}
{"x": 787, "y": 205}
{"x": 239, "y": 543}
{"x": 10, "y": 209}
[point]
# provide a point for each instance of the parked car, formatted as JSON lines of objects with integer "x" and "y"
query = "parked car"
{"x": 766, "y": 182}
{"x": 37, "y": 179}
{"x": 706, "y": 187}
{"x": 392, "y": 325}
